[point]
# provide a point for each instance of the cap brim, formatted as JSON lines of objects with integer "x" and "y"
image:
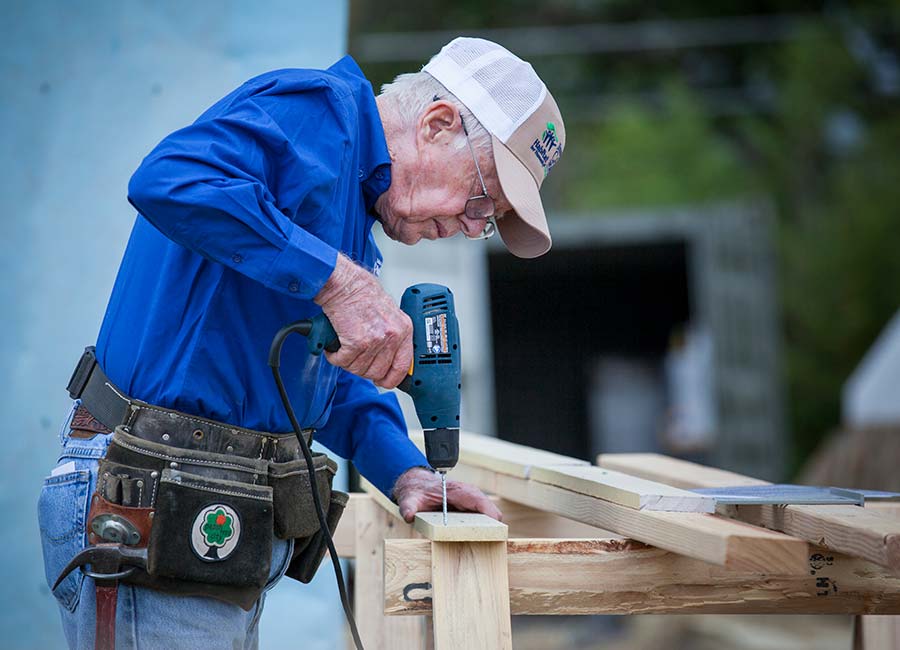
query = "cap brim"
{"x": 525, "y": 231}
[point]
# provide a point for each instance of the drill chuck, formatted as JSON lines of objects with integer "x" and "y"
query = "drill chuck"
{"x": 442, "y": 448}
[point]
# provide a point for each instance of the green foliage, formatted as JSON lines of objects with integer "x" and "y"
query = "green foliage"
{"x": 638, "y": 157}
{"x": 838, "y": 228}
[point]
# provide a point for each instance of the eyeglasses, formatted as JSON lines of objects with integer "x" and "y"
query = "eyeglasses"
{"x": 481, "y": 207}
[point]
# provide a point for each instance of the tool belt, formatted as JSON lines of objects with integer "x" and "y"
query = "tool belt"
{"x": 204, "y": 498}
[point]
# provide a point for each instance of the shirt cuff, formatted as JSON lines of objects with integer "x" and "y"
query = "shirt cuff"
{"x": 303, "y": 267}
{"x": 384, "y": 473}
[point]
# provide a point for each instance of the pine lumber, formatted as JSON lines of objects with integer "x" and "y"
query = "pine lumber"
{"x": 501, "y": 456}
{"x": 574, "y": 474}
{"x": 372, "y": 525}
{"x": 855, "y": 531}
{"x": 673, "y": 471}
{"x": 702, "y": 536}
{"x": 623, "y": 489}
{"x": 345, "y": 534}
{"x": 521, "y": 520}
{"x": 531, "y": 522}
{"x": 470, "y": 595}
{"x": 460, "y": 527}
{"x": 613, "y": 576}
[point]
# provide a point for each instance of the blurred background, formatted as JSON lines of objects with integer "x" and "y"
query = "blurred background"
{"x": 723, "y": 285}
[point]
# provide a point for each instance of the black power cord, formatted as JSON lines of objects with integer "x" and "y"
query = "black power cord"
{"x": 303, "y": 327}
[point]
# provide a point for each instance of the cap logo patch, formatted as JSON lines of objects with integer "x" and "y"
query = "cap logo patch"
{"x": 215, "y": 533}
{"x": 547, "y": 148}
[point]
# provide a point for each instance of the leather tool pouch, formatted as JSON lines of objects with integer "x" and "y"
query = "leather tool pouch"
{"x": 295, "y": 511}
{"x": 309, "y": 552}
{"x": 212, "y": 519}
{"x": 213, "y": 531}
{"x": 214, "y": 515}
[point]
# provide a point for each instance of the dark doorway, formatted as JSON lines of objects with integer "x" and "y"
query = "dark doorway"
{"x": 553, "y": 317}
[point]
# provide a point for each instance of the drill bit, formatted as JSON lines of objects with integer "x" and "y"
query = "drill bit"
{"x": 444, "y": 494}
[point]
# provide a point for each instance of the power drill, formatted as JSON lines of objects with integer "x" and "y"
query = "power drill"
{"x": 433, "y": 381}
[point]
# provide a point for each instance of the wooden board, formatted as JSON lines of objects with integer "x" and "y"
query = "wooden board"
{"x": 470, "y": 596}
{"x": 706, "y": 537}
{"x": 373, "y": 525}
{"x": 501, "y": 456}
{"x": 673, "y": 471}
{"x": 623, "y": 489}
{"x": 345, "y": 534}
{"x": 389, "y": 506}
{"x": 461, "y": 527}
{"x": 524, "y": 521}
{"x": 860, "y": 532}
{"x": 627, "y": 577}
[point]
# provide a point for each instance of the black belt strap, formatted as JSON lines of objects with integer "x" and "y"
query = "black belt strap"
{"x": 99, "y": 395}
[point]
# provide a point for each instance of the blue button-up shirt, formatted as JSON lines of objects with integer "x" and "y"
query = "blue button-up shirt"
{"x": 241, "y": 218}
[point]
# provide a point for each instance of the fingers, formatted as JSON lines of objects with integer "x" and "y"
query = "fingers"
{"x": 409, "y": 506}
{"x": 375, "y": 335}
{"x": 469, "y": 498}
{"x": 419, "y": 490}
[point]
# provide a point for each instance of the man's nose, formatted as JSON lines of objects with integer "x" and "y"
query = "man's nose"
{"x": 471, "y": 227}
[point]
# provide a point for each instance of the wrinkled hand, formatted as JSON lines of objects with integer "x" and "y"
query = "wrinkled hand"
{"x": 419, "y": 490}
{"x": 375, "y": 335}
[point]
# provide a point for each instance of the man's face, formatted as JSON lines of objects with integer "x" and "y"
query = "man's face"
{"x": 432, "y": 177}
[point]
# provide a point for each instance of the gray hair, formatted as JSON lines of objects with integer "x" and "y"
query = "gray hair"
{"x": 413, "y": 92}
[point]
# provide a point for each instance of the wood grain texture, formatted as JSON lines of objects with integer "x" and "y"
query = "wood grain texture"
{"x": 879, "y": 632}
{"x": 673, "y": 471}
{"x": 461, "y": 527}
{"x": 501, "y": 456}
{"x": 345, "y": 534}
{"x": 860, "y": 532}
{"x": 702, "y": 536}
{"x": 631, "y": 491}
{"x": 626, "y": 577}
{"x": 376, "y": 495}
{"x": 524, "y": 521}
{"x": 373, "y": 525}
{"x": 470, "y": 596}
{"x": 889, "y": 509}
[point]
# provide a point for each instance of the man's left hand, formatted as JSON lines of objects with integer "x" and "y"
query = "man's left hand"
{"x": 419, "y": 490}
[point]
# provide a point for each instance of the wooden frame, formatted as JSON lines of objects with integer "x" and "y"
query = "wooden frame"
{"x": 429, "y": 586}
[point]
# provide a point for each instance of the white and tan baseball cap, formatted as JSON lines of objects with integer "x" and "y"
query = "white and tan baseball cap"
{"x": 513, "y": 104}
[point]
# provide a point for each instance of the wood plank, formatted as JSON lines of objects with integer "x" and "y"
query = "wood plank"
{"x": 673, "y": 471}
{"x": 345, "y": 534}
{"x": 879, "y": 632}
{"x": 631, "y": 491}
{"x": 470, "y": 596}
{"x": 524, "y": 521}
{"x": 500, "y": 455}
{"x": 389, "y": 506}
{"x": 889, "y": 509}
{"x": 373, "y": 525}
{"x": 860, "y": 532}
{"x": 627, "y": 577}
{"x": 702, "y": 536}
{"x": 461, "y": 527}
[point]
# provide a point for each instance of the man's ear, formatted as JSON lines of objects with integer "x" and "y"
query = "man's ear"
{"x": 440, "y": 121}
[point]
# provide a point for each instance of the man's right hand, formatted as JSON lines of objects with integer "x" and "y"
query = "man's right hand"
{"x": 375, "y": 335}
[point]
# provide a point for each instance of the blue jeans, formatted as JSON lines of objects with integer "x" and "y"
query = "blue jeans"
{"x": 145, "y": 619}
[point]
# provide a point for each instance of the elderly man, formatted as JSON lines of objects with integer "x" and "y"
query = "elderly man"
{"x": 256, "y": 215}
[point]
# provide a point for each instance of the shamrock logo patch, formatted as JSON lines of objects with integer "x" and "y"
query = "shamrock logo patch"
{"x": 216, "y": 532}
